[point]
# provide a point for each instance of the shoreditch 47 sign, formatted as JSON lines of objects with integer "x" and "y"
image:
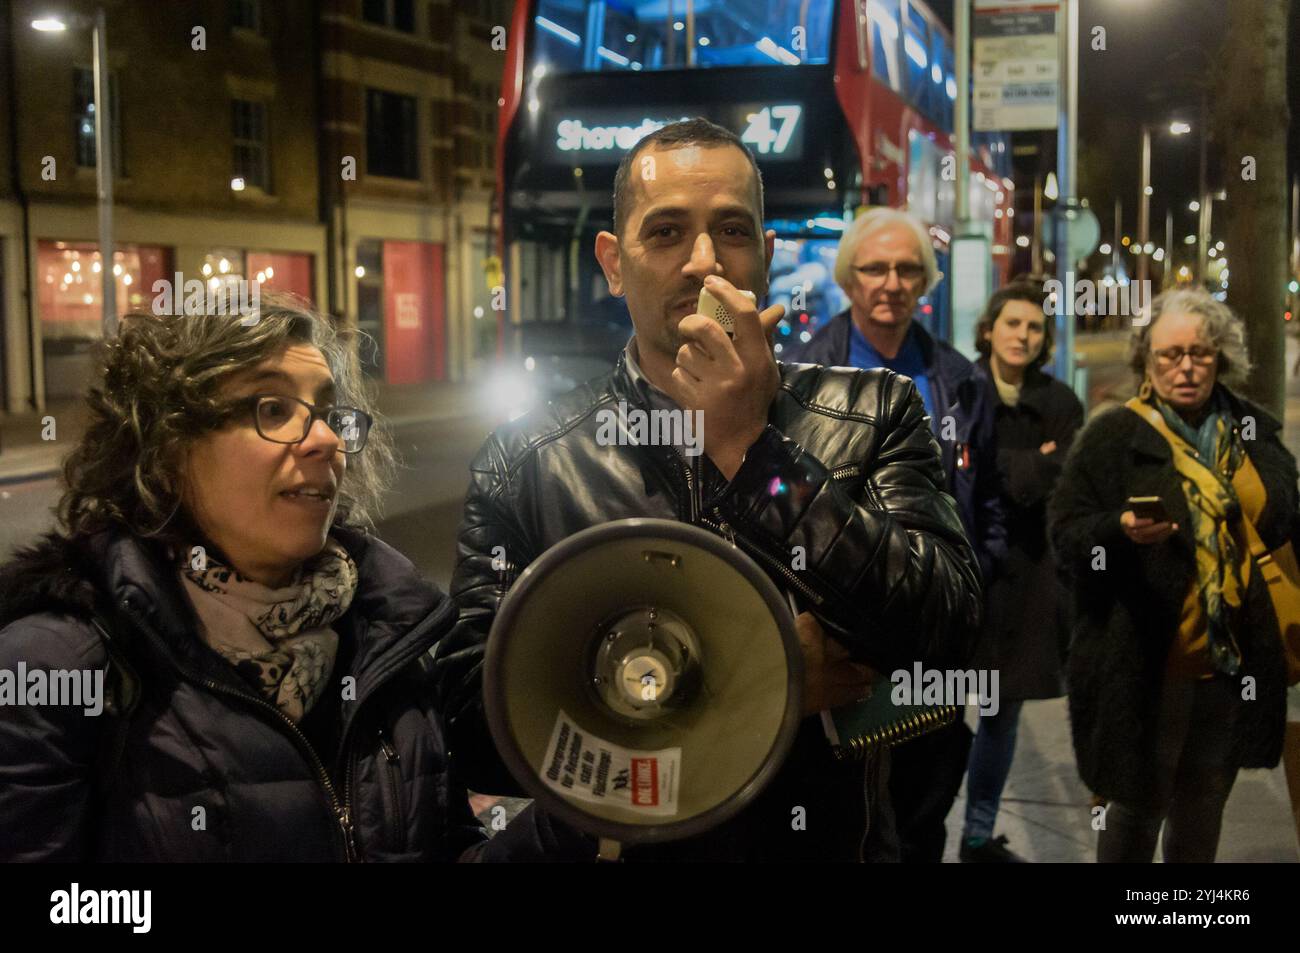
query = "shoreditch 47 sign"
{"x": 773, "y": 131}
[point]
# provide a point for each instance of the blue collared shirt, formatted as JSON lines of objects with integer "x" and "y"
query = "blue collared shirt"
{"x": 909, "y": 361}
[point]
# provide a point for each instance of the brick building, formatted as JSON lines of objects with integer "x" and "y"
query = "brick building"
{"x": 232, "y": 121}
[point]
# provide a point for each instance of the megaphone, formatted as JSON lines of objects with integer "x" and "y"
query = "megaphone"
{"x": 643, "y": 681}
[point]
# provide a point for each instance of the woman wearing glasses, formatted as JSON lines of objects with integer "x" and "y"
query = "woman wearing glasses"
{"x": 247, "y": 657}
{"x": 1176, "y": 674}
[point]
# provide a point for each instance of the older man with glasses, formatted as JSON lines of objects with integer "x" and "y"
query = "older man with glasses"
{"x": 885, "y": 265}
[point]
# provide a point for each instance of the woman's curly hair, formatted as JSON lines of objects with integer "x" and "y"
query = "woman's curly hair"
{"x": 1223, "y": 329}
{"x": 156, "y": 388}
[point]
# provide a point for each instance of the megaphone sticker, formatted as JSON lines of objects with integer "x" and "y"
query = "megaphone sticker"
{"x": 583, "y": 767}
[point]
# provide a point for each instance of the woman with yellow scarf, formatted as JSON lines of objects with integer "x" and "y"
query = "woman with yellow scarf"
{"x": 1177, "y": 676}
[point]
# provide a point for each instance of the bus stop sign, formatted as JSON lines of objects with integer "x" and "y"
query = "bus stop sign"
{"x": 1082, "y": 230}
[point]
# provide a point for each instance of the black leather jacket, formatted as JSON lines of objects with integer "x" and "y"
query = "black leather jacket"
{"x": 847, "y": 469}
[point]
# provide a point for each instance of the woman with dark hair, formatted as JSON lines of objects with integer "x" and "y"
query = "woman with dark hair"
{"x": 251, "y": 660}
{"x": 1177, "y": 672}
{"x": 1025, "y": 629}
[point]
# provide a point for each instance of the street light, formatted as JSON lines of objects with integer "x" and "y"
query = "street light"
{"x": 1176, "y": 127}
{"x": 103, "y": 153}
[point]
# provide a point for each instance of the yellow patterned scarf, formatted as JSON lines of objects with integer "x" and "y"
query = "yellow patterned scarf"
{"x": 1206, "y": 459}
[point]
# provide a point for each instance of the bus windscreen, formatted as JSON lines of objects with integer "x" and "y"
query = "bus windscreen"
{"x": 594, "y": 35}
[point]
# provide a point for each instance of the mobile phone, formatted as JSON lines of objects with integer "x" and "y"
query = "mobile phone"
{"x": 1149, "y": 508}
{"x": 711, "y": 307}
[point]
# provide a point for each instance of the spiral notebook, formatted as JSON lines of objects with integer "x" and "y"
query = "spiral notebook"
{"x": 876, "y": 722}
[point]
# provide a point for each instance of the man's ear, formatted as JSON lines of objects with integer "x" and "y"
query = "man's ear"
{"x": 607, "y": 255}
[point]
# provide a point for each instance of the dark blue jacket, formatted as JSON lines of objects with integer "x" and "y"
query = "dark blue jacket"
{"x": 186, "y": 763}
{"x": 960, "y": 391}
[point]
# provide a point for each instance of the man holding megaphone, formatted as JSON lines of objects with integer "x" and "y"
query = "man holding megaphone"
{"x": 828, "y": 478}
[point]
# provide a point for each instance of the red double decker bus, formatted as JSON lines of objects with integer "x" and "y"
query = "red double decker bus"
{"x": 844, "y": 104}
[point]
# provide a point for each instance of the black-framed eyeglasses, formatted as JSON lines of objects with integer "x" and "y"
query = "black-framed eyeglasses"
{"x": 1171, "y": 357}
{"x": 908, "y": 272}
{"x": 288, "y": 420}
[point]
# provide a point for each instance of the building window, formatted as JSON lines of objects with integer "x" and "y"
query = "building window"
{"x": 83, "y": 117}
{"x": 283, "y": 271}
{"x": 248, "y": 130}
{"x": 392, "y": 147}
{"x": 246, "y": 15}
{"x": 395, "y": 14}
{"x": 70, "y": 284}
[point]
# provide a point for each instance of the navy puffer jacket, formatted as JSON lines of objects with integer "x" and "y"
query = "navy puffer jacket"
{"x": 187, "y": 763}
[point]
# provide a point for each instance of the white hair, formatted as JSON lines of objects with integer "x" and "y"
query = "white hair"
{"x": 1224, "y": 330}
{"x": 867, "y": 225}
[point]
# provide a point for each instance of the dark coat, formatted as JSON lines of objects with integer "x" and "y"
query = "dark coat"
{"x": 847, "y": 469}
{"x": 1026, "y": 606}
{"x": 1126, "y": 616}
{"x": 960, "y": 390}
{"x": 182, "y": 731}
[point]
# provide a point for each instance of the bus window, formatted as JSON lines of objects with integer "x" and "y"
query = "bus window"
{"x": 916, "y": 46}
{"x": 923, "y": 179}
{"x": 883, "y": 15}
{"x": 557, "y": 46}
{"x": 638, "y": 35}
{"x": 806, "y": 267}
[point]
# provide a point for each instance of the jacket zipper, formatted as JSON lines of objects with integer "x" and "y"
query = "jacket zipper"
{"x": 340, "y": 809}
{"x": 847, "y": 469}
{"x": 724, "y": 529}
{"x": 691, "y": 489}
{"x": 391, "y": 757}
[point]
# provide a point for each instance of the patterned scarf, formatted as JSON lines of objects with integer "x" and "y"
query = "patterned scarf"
{"x": 1206, "y": 459}
{"x": 278, "y": 640}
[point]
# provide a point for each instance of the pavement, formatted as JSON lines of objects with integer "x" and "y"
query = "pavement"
{"x": 1046, "y": 811}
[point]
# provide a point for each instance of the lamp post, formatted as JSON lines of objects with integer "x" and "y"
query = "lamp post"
{"x": 103, "y": 155}
{"x": 1166, "y": 276}
{"x": 1195, "y": 58}
{"x": 1203, "y": 196}
{"x": 1176, "y": 128}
